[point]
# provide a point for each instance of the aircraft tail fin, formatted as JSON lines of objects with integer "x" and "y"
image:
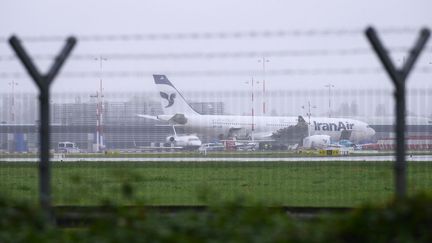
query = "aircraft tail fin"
{"x": 172, "y": 100}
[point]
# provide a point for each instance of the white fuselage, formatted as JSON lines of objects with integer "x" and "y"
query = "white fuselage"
{"x": 184, "y": 140}
{"x": 262, "y": 127}
{"x": 178, "y": 112}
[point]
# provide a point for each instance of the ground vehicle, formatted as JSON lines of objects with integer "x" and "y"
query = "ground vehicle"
{"x": 67, "y": 147}
{"x": 247, "y": 146}
{"x": 316, "y": 141}
{"x": 211, "y": 147}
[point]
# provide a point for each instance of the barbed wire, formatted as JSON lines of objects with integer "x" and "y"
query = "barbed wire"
{"x": 344, "y": 91}
{"x": 218, "y": 55}
{"x": 367, "y": 91}
{"x": 221, "y": 35}
{"x": 280, "y": 72}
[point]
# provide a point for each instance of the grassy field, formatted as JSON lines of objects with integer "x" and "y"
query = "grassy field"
{"x": 192, "y": 183}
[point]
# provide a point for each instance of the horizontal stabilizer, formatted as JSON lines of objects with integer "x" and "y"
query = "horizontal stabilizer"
{"x": 148, "y": 117}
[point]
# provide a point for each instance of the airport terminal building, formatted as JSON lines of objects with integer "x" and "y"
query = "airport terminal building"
{"x": 116, "y": 123}
{"x": 82, "y": 120}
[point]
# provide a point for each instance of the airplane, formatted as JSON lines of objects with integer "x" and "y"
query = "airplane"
{"x": 184, "y": 141}
{"x": 178, "y": 112}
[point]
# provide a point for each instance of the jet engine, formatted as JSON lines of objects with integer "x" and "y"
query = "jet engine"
{"x": 170, "y": 139}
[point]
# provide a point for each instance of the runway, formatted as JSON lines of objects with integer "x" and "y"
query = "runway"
{"x": 385, "y": 158}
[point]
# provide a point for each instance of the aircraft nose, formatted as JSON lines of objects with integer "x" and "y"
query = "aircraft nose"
{"x": 371, "y": 132}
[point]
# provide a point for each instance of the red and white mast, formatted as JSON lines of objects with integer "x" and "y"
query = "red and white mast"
{"x": 99, "y": 108}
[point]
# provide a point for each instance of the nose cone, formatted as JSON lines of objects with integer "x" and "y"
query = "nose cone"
{"x": 371, "y": 132}
{"x": 196, "y": 143}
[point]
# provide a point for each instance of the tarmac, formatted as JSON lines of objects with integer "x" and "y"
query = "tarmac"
{"x": 383, "y": 158}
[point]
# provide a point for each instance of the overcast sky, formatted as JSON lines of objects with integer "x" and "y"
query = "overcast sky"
{"x": 105, "y": 17}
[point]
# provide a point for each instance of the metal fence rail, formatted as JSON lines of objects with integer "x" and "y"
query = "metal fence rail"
{"x": 44, "y": 81}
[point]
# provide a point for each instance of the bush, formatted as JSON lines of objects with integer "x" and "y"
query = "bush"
{"x": 408, "y": 220}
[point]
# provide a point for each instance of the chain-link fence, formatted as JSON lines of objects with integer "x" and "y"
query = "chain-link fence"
{"x": 307, "y": 123}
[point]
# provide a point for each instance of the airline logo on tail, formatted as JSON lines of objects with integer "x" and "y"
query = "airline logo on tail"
{"x": 169, "y": 98}
{"x": 161, "y": 79}
{"x": 172, "y": 100}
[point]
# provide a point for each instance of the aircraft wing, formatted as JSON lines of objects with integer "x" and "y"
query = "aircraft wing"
{"x": 258, "y": 137}
{"x": 176, "y": 120}
{"x": 148, "y": 117}
{"x": 264, "y": 136}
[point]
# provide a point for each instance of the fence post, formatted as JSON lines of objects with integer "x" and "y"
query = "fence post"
{"x": 399, "y": 76}
{"x": 43, "y": 82}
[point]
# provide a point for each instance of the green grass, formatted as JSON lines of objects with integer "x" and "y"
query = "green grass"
{"x": 188, "y": 183}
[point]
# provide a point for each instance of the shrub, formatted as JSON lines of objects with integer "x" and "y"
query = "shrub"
{"x": 408, "y": 220}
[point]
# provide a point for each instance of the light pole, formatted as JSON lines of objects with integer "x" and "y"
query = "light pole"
{"x": 12, "y": 104}
{"x": 99, "y": 107}
{"x": 252, "y": 107}
{"x": 309, "y": 114}
{"x": 329, "y": 86}
{"x": 264, "y": 61}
